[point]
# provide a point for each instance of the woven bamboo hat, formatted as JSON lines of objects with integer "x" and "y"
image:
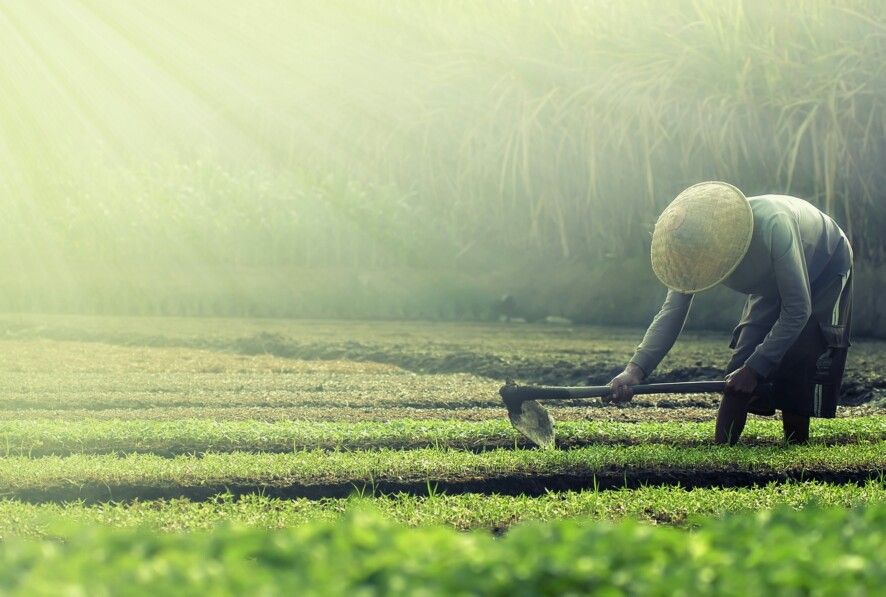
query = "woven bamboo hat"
{"x": 701, "y": 237}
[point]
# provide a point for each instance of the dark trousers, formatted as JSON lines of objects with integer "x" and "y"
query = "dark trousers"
{"x": 807, "y": 380}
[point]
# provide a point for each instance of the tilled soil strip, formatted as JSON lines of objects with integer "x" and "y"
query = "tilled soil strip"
{"x": 512, "y": 485}
{"x": 494, "y": 402}
{"x": 368, "y": 413}
{"x": 464, "y": 446}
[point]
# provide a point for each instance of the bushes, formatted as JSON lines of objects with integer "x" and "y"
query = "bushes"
{"x": 814, "y": 551}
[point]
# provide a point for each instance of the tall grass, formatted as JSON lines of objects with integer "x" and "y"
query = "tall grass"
{"x": 565, "y": 127}
{"x": 446, "y": 135}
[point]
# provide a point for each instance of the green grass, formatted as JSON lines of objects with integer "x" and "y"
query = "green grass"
{"x": 660, "y": 505}
{"x": 365, "y": 467}
{"x": 365, "y": 554}
{"x": 43, "y": 437}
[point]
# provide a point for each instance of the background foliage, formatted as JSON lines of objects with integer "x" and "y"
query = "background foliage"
{"x": 417, "y": 159}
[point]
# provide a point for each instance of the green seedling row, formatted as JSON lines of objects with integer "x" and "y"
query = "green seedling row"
{"x": 318, "y": 466}
{"x": 44, "y": 437}
{"x": 660, "y": 505}
{"x": 365, "y": 553}
{"x": 369, "y": 413}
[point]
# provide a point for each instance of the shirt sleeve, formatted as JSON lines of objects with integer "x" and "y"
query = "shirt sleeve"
{"x": 792, "y": 280}
{"x": 663, "y": 331}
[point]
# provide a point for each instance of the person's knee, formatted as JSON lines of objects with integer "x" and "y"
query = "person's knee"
{"x": 736, "y": 401}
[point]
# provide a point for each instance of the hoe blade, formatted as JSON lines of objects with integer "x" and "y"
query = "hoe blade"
{"x": 532, "y": 420}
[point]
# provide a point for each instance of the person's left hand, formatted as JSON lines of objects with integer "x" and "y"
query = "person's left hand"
{"x": 742, "y": 381}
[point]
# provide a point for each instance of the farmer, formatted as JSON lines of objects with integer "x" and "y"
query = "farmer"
{"x": 795, "y": 265}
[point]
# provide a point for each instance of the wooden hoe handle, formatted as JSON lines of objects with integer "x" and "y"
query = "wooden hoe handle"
{"x": 511, "y": 392}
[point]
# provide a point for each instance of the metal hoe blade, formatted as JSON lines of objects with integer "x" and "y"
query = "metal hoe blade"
{"x": 533, "y": 421}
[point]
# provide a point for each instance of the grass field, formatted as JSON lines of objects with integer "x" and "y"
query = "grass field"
{"x": 187, "y": 424}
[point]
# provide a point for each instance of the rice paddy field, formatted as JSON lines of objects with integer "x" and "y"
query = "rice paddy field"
{"x": 363, "y": 441}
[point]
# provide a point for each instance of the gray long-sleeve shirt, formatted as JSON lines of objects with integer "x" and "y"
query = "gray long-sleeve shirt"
{"x": 791, "y": 245}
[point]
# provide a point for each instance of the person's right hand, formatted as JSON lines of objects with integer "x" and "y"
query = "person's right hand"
{"x": 620, "y": 384}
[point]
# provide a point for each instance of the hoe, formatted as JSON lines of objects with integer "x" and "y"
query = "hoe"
{"x": 532, "y": 420}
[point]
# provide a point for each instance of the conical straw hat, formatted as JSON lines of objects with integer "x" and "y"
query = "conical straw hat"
{"x": 701, "y": 237}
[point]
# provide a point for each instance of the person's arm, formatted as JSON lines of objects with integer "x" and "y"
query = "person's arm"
{"x": 658, "y": 340}
{"x": 792, "y": 279}
{"x": 662, "y": 332}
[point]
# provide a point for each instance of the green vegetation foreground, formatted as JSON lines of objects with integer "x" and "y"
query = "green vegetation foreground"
{"x": 366, "y": 554}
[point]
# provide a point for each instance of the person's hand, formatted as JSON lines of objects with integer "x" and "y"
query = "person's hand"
{"x": 742, "y": 381}
{"x": 620, "y": 384}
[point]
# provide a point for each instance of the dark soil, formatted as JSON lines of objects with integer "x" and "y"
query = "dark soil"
{"x": 487, "y": 445}
{"x": 627, "y": 414}
{"x": 551, "y": 356}
{"x": 525, "y": 368}
{"x": 528, "y": 485}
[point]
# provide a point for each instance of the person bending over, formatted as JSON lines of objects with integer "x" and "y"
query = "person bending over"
{"x": 795, "y": 266}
